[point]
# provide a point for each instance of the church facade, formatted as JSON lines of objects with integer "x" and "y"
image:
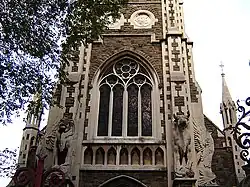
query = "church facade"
{"x": 132, "y": 113}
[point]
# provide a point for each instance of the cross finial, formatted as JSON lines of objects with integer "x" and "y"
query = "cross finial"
{"x": 222, "y": 68}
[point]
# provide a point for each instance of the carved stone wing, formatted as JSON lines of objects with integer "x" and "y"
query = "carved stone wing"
{"x": 198, "y": 138}
{"x": 50, "y": 139}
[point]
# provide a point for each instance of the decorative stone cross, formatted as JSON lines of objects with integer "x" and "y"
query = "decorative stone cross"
{"x": 222, "y": 68}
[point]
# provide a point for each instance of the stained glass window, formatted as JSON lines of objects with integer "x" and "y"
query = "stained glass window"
{"x": 146, "y": 110}
{"x": 133, "y": 110}
{"x": 103, "y": 111}
{"x": 117, "y": 110}
{"x": 125, "y": 100}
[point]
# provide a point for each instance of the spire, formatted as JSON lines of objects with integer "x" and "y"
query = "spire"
{"x": 226, "y": 96}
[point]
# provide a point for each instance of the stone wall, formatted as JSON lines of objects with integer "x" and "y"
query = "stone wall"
{"x": 223, "y": 167}
{"x": 222, "y": 163}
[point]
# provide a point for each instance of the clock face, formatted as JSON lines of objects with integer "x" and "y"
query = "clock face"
{"x": 142, "y": 19}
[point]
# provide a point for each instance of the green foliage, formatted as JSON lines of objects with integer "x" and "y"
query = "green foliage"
{"x": 36, "y": 38}
{"x": 8, "y": 162}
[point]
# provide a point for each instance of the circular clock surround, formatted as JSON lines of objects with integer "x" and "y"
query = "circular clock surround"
{"x": 142, "y": 19}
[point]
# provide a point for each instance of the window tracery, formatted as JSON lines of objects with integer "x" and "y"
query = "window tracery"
{"x": 125, "y": 107}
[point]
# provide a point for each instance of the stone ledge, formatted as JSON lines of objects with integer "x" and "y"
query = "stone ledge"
{"x": 184, "y": 182}
{"x": 123, "y": 168}
{"x": 123, "y": 140}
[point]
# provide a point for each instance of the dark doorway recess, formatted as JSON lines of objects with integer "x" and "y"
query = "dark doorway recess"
{"x": 122, "y": 181}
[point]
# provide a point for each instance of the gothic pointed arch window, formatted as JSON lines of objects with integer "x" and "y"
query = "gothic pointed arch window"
{"x": 125, "y": 100}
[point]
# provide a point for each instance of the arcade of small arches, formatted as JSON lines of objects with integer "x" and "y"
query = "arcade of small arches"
{"x": 123, "y": 156}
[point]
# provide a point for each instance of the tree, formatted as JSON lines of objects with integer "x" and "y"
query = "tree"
{"x": 36, "y": 39}
{"x": 8, "y": 162}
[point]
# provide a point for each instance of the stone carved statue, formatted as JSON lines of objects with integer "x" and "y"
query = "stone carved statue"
{"x": 56, "y": 145}
{"x": 204, "y": 146}
{"x": 182, "y": 150}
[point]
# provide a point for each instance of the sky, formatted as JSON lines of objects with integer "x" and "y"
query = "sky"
{"x": 220, "y": 31}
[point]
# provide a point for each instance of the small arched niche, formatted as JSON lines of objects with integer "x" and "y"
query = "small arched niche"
{"x": 135, "y": 156}
{"x": 88, "y": 156}
{"x": 124, "y": 156}
{"x": 99, "y": 157}
{"x": 147, "y": 157}
{"x": 159, "y": 156}
{"x": 111, "y": 156}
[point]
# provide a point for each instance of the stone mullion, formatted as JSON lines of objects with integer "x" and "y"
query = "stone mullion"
{"x": 105, "y": 157}
{"x": 139, "y": 114}
{"x": 129, "y": 158}
{"x": 153, "y": 157}
{"x": 111, "y": 99}
{"x": 125, "y": 113}
{"x": 118, "y": 155}
{"x": 141, "y": 158}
